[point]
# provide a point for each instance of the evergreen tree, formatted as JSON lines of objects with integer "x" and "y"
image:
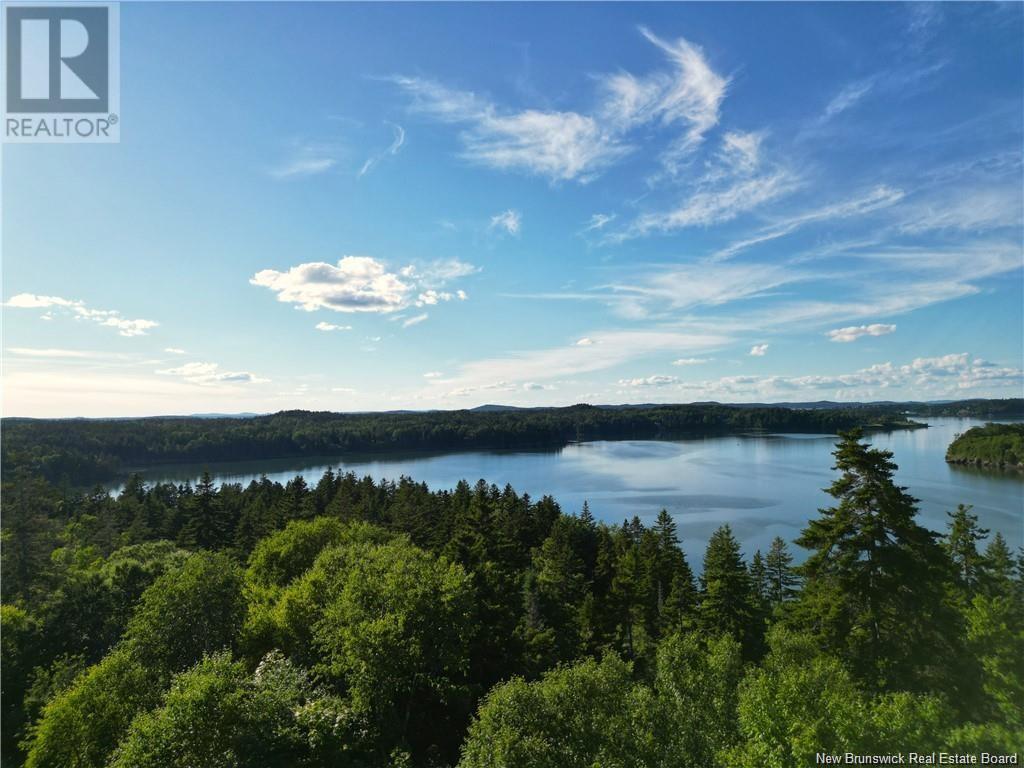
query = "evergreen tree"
{"x": 206, "y": 524}
{"x": 962, "y": 545}
{"x": 759, "y": 577}
{"x": 999, "y": 567}
{"x": 782, "y": 579}
{"x": 725, "y": 600}
{"x": 874, "y": 589}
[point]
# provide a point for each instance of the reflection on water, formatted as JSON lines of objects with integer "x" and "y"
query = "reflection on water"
{"x": 763, "y": 486}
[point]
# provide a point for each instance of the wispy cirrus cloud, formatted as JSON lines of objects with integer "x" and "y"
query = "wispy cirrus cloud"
{"x": 873, "y": 200}
{"x": 397, "y": 142}
{"x": 567, "y": 145}
{"x": 110, "y": 318}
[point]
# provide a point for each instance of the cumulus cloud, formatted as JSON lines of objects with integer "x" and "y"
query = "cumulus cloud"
{"x": 509, "y": 220}
{"x": 586, "y": 341}
{"x": 110, "y": 318}
{"x": 206, "y": 374}
{"x": 327, "y": 327}
{"x": 759, "y": 350}
{"x": 361, "y": 284}
{"x": 854, "y": 332}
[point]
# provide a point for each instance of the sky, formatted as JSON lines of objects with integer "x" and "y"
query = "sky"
{"x": 412, "y": 206}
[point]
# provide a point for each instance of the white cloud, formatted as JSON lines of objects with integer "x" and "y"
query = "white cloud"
{"x": 692, "y": 96}
{"x": 343, "y": 390}
{"x": 174, "y": 350}
{"x": 361, "y": 284}
{"x": 433, "y": 375}
{"x": 759, "y": 350}
{"x": 397, "y": 141}
{"x": 568, "y": 145}
{"x": 880, "y": 197}
{"x": 854, "y": 332}
{"x": 609, "y": 349}
{"x": 322, "y": 326}
{"x": 954, "y": 376}
{"x": 33, "y": 301}
{"x": 306, "y": 166}
{"x": 561, "y": 146}
{"x": 714, "y": 206}
{"x": 847, "y": 97}
{"x": 110, "y": 318}
{"x": 415, "y": 320}
{"x": 307, "y": 158}
{"x": 585, "y": 342}
{"x": 509, "y": 220}
{"x": 355, "y": 284}
{"x": 599, "y": 221}
{"x": 649, "y": 381}
{"x": 129, "y": 327}
{"x": 53, "y": 353}
{"x": 741, "y": 151}
{"x": 690, "y": 361}
{"x": 437, "y": 273}
{"x": 966, "y": 209}
{"x": 209, "y": 373}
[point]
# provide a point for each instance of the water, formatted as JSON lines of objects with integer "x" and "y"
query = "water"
{"x": 763, "y": 486}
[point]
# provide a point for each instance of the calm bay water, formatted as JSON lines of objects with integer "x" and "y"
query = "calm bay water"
{"x": 763, "y": 486}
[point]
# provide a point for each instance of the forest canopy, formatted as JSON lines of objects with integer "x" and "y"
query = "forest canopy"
{"x": 356, "y": 623}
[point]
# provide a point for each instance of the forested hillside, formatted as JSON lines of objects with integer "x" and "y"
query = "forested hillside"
{"x": 994, "y": 445}
{"x": 354, "y": 623}
{"x": 79, "y": 451}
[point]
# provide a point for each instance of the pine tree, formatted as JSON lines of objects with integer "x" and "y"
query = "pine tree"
{"x": 782, "y": 579}
{"x": 874, "y": 589}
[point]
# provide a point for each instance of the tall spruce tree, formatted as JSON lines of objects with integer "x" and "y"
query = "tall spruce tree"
{"x": 726, "y": 604}
{"x": 875, "y": 579}
{"x": 782, "y": 579}
{"x": 962, "y": 544}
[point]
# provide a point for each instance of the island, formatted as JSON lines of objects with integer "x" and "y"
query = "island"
{"x": 994, "y": 446}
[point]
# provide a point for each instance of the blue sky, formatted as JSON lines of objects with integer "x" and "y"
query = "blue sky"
{"x": 355, "y": 207}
